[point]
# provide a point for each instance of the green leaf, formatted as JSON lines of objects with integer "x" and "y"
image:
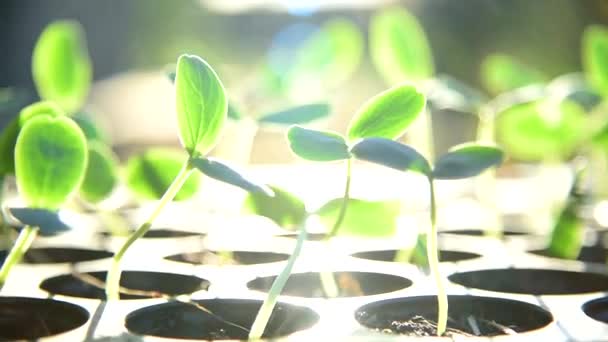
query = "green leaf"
{"x": 201, "y": 104}
{"x": 595, "y": 57}
{"x": 363, "y": 218}
{"x": 60, "y": 65}
{"x": 391, "y": 154}
{"x": 388, "y": 114}
{"x": 50, "y": 160}
{"x": 541, "y": 130}
{"x": 576, "y": 88}
{"x": 101, "y": 174}
{"x": 150, "y": 174}
{"x": 228, "y": 174}
{"x": 501, "y": 73}
{"x": 284, "y": 208}
{"x": 90, "y": 128}
{"x": 399, "y": 48}
{"x": 317, "y": 145}
{"x": 48, "y": 221}
{"x": 39, "y": 108}
{"x": 466, "y": 160}
{"x": 297, "y": 115}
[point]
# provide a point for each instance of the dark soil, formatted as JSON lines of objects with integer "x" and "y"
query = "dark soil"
{"x": 389, "y": 255}
{"x": 238, "y": 258}
{"x": 420, "y": 326}
{"x": 56, "y": 255}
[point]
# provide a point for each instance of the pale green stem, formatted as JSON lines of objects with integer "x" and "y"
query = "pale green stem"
{"x": 263, "y": 316}
{"x": 433, "y": 256}
{"x": 328, "y": 283}
{"x": 22, "y": 244}
{"x": 113, "y": 278}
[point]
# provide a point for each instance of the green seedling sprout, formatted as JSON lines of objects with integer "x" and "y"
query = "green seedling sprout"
{"x": 501, "y": 73}
{"x": 50, "y": 160}
{"x": 201, "y": 112}
{"x": 462, "y": 161}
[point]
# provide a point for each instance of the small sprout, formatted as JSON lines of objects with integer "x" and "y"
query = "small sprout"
{"x": 60, "y": 65}
{"x": 284, "y": 208}
{"x": 101, "y": 174}
{"x": 399, "y": 48}
{"x": 461, "y": 162}
{"x": 595, "y": 57}
{"x": 501, "y": 73}
{"x": 317, "y": 145}
{"x": 50, "y": 162}
{"x": 151, "y": 173}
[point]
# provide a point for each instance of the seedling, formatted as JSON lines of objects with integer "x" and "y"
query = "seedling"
{"x": 50, "y": 161}
{"x": 201, "y": 113}
{"x": 461, "y": 162}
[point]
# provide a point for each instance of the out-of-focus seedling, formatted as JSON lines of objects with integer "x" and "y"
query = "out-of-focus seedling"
{"x": 201, "y": 113}
{"x": 461, "y": 162}
{"x": 50, "y": 161}
{"x": 501, "y": 73}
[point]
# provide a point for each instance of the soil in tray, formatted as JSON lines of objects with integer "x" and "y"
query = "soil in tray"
{"x": 32, "y": 318}
{"x": 596, "y": 254}
{"x": 532, "y": 281}
{"x": 468, "y": 316}
{"x": 350, "y": 284}
{"x": 389, "y": 255}
{"x": 161, "y": 233}
{"x": 141, "y": 284}
{"x": 597, "y": 309}
{"x": 237, "y": 258}
{"x": 482, "y": 233}
{"x": 216, "y": 319}
{"x": 55, "y": 255}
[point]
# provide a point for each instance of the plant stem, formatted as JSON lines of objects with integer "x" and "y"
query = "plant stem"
{"x": 113, "y": 277}
{"x": 433, "y": 256}
{"x": 328, "y": 283}
{"x": 263, "y": 316}
{"x": 22, "y": 244}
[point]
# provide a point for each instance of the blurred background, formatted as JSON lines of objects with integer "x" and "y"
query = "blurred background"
{"x": 248, "y": 42}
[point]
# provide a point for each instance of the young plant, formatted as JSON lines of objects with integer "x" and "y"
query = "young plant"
{"x": 461, "y": 162}
{"x": 201, "y": 113}
{"x": 50, "y": 160}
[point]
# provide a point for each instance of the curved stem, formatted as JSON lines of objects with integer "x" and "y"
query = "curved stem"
{"x": 263, "y": 316}
{"x": 432, "y": 252}
{"x": 345, "y": 198}
{"x": 22, "y": 244}
{"x": 113, "y": 278}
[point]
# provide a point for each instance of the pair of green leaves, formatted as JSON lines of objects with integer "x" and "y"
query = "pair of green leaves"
{"x": 61, "y": 66}
{"x": 387, "y": 115}
{"x": 462, "y": 161}
{"x": 364, "y": 218}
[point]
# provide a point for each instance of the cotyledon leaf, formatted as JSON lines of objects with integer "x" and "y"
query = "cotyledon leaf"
{"x": 317, "y": 145}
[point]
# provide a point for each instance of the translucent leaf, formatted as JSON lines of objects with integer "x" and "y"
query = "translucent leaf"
{"x": 317, "y": 145}
{"x": 228, "y": 174}
{"x": 50, "y": 160}
{"x": 388, "y": 114}
{"x": 284, "y": 208}
{"x": 363, "y": 218}
{"x": 201, "y": 104}
{"x": 297, "y": 115}
{"x": 60, "y": 65}
{"x": 541, "y": 130}
{"x": 391, "y": 154}
{"x": 399, "y": 48}
{"x": 501, "y": 73}
{"x": 48, "y": 221}
{"x": 595, "y": 57}
{"x": 101, "y": 174}
{"x": 150, "y": 174}
{"x": 466, "y": 160}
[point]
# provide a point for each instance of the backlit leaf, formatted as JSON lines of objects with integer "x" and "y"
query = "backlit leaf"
{"x": 399, "y": 48}
{"x": 284, "y": 208}
{"x": 50, "y": 160}
{"x": 297, "y": 115}
{"x": 595, "y": 57}
{"x": 150, "y": 174}
{"x": 388, "y": 114}
{"x": 363, "y": 218}
{"x": 48, "y": 221}
{"x": 101, "y": 174}
{"x": 466, "y": 160}
{"x": 501, "y": 73}
{"x": 317, "y": 145}
{"x": 201, "y": 104}
{"x": 60, "y": 65}
{"x": 391, "y": 154}
{"x": 228, "y": 174}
